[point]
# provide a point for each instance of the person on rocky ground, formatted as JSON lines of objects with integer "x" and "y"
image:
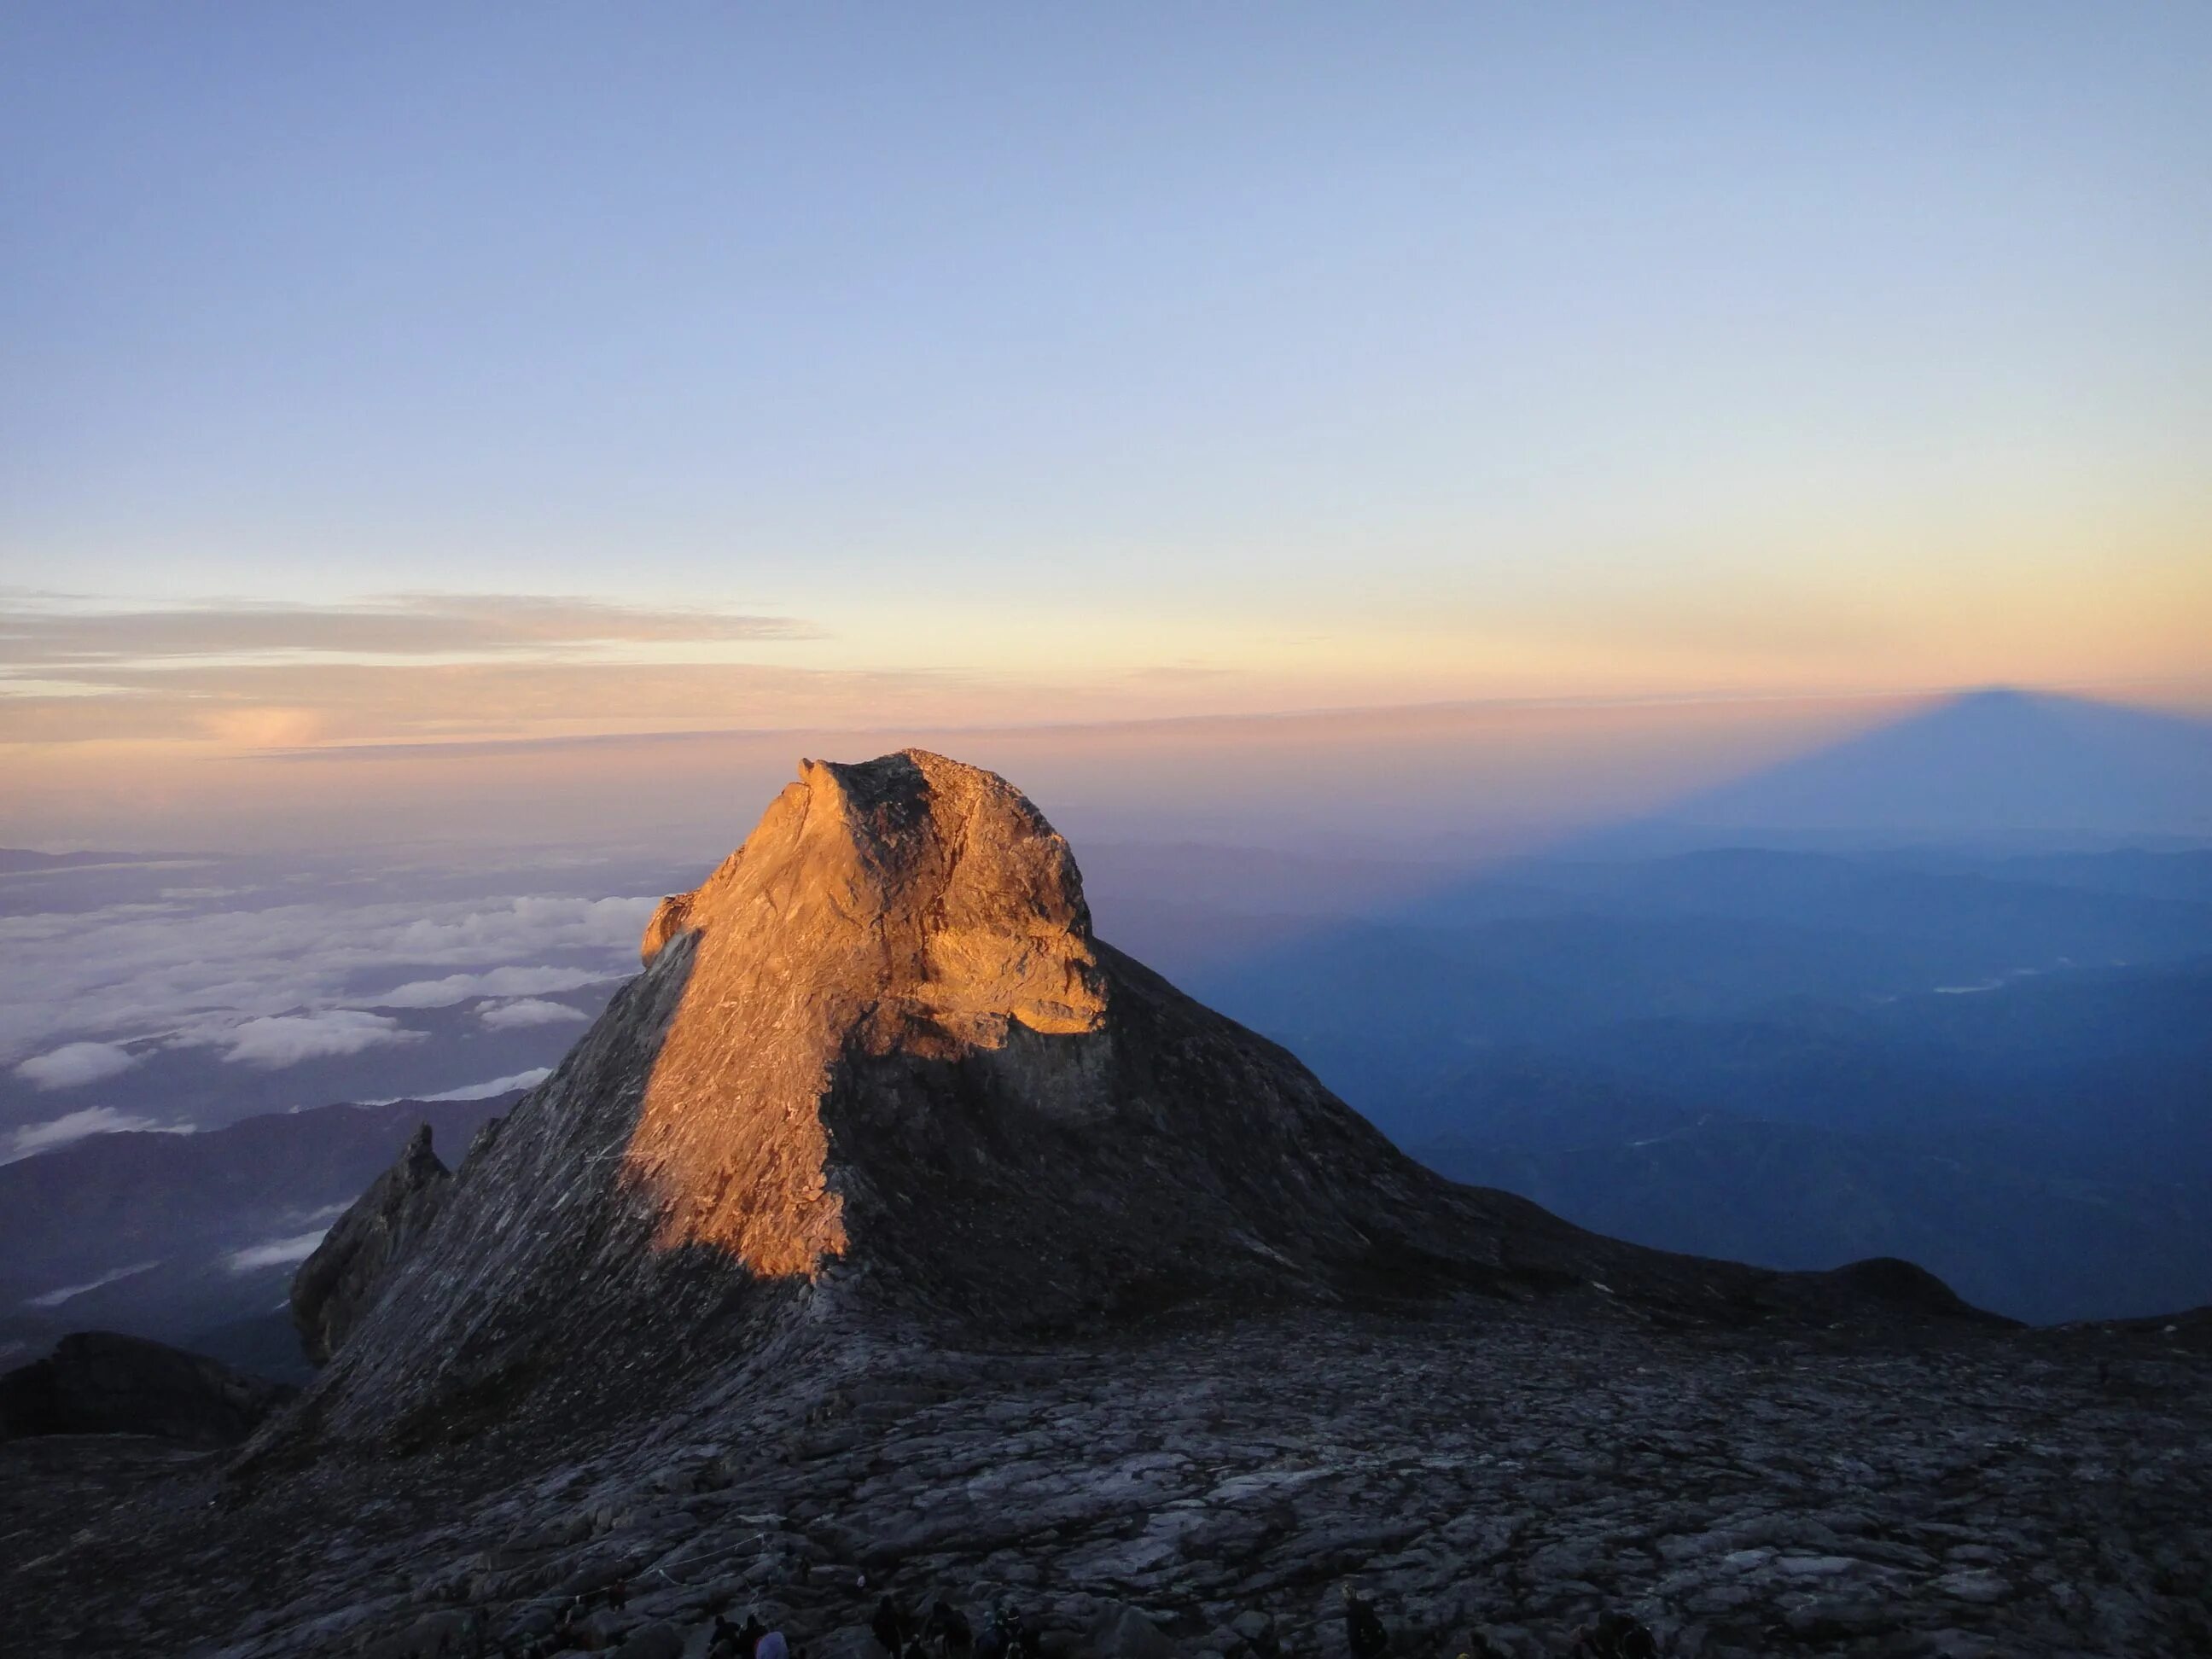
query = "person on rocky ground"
{"x": 1363, "y": 1630}
{"x": 617, "y": 1594}
{"x": 722, "y": 1640}
{"x": 889, "y": 1625}
{"x": 1614, "y": 1636}
{"x": 772, "y": 1646}
{"x": 991, "y": 1640}
{"x": 948, "y": 1627}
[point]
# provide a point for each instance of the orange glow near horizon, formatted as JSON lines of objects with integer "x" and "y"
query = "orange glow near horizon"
{"x": 1507, "y": 772}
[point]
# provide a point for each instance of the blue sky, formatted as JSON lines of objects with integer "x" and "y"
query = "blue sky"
{"x": 1128, "y": 360}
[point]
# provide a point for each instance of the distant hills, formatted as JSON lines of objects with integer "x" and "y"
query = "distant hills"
{"x": 1997, "y": 1065}
{"x": 193, "y": 1239}
{"x": 2045, "y": 1146}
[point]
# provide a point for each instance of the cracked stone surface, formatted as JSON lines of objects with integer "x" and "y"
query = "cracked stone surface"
{"x": 1502, "y": 1469}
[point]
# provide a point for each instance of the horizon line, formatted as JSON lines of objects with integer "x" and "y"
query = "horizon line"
{"x": 1952, "y": 693}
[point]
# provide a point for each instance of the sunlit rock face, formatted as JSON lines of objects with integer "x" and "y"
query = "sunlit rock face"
{"x": 909, "y": 905}
{"x": 877, "y": 1075}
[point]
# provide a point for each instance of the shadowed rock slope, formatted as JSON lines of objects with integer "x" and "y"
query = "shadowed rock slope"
{"x": 878, "y": 1073}
{"x": 337, "y": 1284}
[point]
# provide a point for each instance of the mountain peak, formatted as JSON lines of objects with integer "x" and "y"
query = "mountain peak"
{"x": 907, "y": 904}
{"x": 879, "y": 1074}
{"x": 939, "y": 880}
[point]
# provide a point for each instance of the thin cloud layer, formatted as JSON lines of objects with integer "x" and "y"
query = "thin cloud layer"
{"x": 272, "y": 1043}
{"x": 276, "y": 1252}
{"x": 54, "y": 636}
{"x": 69, "y": 1293}
{"x": 134, "y": 971}
{"x": 76, "y": 1064}
{"x": 71, "y": 1127}
{"x": 257, "y": 676}
{"x": 530, "y": 1011}
{"x": 498, "y": 1085}
{"x": 310, "y": 702}
{"x": 499, "y": 982}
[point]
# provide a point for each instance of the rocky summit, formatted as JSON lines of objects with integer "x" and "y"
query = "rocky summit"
{"x": 892, "y": 1234}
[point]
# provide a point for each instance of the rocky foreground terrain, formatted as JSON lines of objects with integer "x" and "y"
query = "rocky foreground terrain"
{"x": 890, "y": 1233}
{"x": 1479, "y": 1468}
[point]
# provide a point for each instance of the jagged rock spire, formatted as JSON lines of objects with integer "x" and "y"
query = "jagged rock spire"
{"x": 338, "y": 1284}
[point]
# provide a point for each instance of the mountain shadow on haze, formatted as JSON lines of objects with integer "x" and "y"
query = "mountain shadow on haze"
{"x": 192, "y": 1239}
{"x": 1996, "y": 766}
{"x": 1926, "y": 1043}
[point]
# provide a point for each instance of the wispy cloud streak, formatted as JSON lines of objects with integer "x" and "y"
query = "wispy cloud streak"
{"x": 60, "y": 634}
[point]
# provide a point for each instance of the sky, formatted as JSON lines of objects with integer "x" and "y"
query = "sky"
{"x": 516, "y": 375}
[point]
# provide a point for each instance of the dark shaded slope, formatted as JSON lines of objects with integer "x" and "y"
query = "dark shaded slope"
{"x": 100, "y": 1382}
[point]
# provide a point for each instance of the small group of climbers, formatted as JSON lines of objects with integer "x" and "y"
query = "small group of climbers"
{"x": 613, "y": 1596}
{"x": 945, "y": 1632}
{"x": 1612, "y": 1636}
{"x": 750, "y": 1640}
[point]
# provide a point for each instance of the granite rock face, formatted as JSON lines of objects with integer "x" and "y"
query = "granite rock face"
{"x": 878, "y": 1071}
{"x": 338, "y": 1284}
{"x": 100, "y": 1382}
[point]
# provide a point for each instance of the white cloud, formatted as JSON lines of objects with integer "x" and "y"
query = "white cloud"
{"x": 499, "y": 982}
{"x": 55, "y": 1299}
{"x": 276, "y": 1252}
{"x": 75, "y": 1063}
{"x": 152, "y": 970}
{"x": 498, "y": 1085}
{"x": 530, "y": 1011}
{"x": 37, "y": 1137}
{"x": 482, "y": 935}
{"x": 288, "y": 1039}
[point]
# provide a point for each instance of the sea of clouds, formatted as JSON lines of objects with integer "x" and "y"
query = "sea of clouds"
{"x": 119, "y": 977}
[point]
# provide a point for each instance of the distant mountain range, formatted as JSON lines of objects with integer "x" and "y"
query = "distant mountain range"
{"x": 193, "y": 1239}
{"x": 1545, "y": 950}
{"x": 2045, "y": 1146}
{"x": 1999, "y": 1067}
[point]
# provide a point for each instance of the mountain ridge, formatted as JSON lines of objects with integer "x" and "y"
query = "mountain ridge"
{"x": 878, "y": 1073}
